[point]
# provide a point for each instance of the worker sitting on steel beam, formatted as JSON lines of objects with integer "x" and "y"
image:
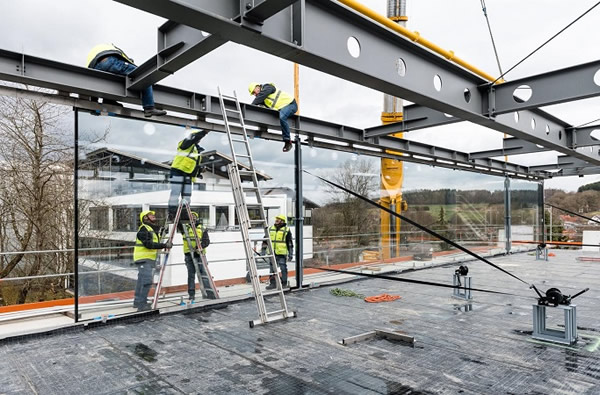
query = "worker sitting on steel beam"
{"x": 109, "y": 58}
{"x": 145, "y": 252}
{"x": 281, "y": 239}
{"x": 185, "y": 169}
{"x": 269, "y": 96}
{"x": 189, "y": 249}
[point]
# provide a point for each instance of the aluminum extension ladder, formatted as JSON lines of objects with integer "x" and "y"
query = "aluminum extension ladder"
{"x": 244, "y": 159}
{"x": 207, "y": 285}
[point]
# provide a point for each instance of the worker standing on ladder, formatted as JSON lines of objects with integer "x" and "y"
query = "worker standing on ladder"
{"x": 185, "y": 169}
{"x": 107, "y": 57}
{"x": 281, "y": 238}
{"x": 144, "y": 256}
{"x": 189, "y": 260}
{"x": 269, "y": 96}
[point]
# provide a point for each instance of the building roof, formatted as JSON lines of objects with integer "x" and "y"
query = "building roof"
{"x": 290, "y": 193}
{"x": 215, "y": 162}
{"x": 478, "y": 347}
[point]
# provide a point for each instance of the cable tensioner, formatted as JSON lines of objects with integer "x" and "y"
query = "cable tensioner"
{"x": 555, "y": 297}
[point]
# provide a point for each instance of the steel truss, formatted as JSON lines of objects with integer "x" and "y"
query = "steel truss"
{"x": 388, "y": 62}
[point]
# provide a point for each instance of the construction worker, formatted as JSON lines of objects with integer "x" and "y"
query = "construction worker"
{"x": 185, "y": 169}
{"x": 189, "y": 262}
{"x": 109, "y": 58}
{"x": 269, "y": 96}
{"x": 146, "y": 248}
{"x": 281, "y": 239}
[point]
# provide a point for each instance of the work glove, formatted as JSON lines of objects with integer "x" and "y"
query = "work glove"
{"x": 168, "y": 245}
{"x": 290, "y": 257}
{"x": 200, "y": 133}
{"x": 157, "y": 266}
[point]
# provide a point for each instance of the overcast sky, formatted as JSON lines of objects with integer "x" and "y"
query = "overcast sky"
{"x": 66, "y": 30}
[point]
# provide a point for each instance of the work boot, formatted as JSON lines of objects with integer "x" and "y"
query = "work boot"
{"x": 287, "y": 146}
{"x": 151, "y": 111}
{"x": 191, "y": 300}
{"x": 271, "y": 286}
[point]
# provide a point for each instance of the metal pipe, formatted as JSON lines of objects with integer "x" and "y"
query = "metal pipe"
{"x": 414, "y": 36}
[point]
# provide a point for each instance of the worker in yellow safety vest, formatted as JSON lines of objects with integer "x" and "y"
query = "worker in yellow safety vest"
{"x": 281, "y": 239}
{"x": 112, "y": 59}
{"x": 146, "y": 248}
{"x": 185, "y": 169}
{"x": 189, "y": 262}
{"x": 269, "y": 96}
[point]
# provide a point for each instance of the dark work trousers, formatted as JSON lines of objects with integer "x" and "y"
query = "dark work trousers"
{"x": 180, "y": 186}
{"x": 144, "y": 282}
{"x": 191, "y": 270}
{"x": 282, "y": 263}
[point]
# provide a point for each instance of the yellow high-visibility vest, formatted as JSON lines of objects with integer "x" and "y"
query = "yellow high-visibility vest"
{"x": 278, "y": 237}
{"x": 140, "y": 251}
{"x": 190, "y": 231}
{"x": 186, "y": 159}
{"x": 102, "y": 50}
{"x": 278, "y": 99}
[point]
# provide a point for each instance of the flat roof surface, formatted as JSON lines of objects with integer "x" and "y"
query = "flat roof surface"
{"x": 478, "y": 347}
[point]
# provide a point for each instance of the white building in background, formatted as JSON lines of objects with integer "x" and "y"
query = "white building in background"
{"x": 119, "y": 185}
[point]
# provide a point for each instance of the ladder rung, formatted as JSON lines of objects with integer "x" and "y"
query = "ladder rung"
{"x": 276, "y": 311}
{"x": 230, "y": 110}
{"x": 229, "y": 97}
{"x": 250, "y": 188}
{"x": 268, "y": 293}
{"x": 238, "y": 140}
{"x": 258, "y": 221}
{"x": 246, "y": 171}
{"x": 243, "y": 155}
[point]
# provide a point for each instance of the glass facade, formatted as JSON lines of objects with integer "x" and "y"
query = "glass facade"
{"x": 123, "y": 168}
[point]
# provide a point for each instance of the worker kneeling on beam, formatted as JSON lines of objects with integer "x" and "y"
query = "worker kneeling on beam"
{"x": 189, "y": 249}
{"x": 109, "y": 58}
{"x": 269, "y": 96}
{"x": 145, "y": 253}
{"x": 281, "y": 239}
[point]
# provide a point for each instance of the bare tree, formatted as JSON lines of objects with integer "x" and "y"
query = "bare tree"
{"x": 36, "y": 197}
{"x": 347, "y": 215}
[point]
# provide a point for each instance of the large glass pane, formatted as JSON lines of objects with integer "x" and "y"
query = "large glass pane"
{"x": 463, "y": 207}
{"x": 36, "y": 212}
{"x": 525, "y": 214}
{"x": 124, "y": 167}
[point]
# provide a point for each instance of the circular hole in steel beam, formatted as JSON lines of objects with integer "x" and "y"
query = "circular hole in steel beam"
{"x": 467, "y": 94}
{"x": 353, "y": 47}
{"x": 437, "y": 82}
{"x": 401, "y": 67}
{"x": 522, "y": 93}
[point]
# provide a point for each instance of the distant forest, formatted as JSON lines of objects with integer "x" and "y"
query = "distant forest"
{"x": 519, "y": 198}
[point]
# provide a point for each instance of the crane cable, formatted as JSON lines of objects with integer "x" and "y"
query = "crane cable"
{"x": 546, "y": 42}
{"x": 423, "y": 228}
{"x": 484, "y": 9}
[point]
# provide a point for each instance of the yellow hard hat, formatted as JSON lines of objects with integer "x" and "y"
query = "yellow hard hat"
{"x": 252, "y": 86}
{"x": 195, "y": 214}
{"x": 144, "y": 213}
{"x": 281, "y": 217}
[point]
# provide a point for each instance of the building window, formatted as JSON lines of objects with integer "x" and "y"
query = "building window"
{"x": 222, "y": 219}
{"x": 160, "y": 213}
{"x": 126, "y": 219}
{"x": 253, "y": 214}
{"x": 203, "y": 213}
{"x": 99, "y": 218}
